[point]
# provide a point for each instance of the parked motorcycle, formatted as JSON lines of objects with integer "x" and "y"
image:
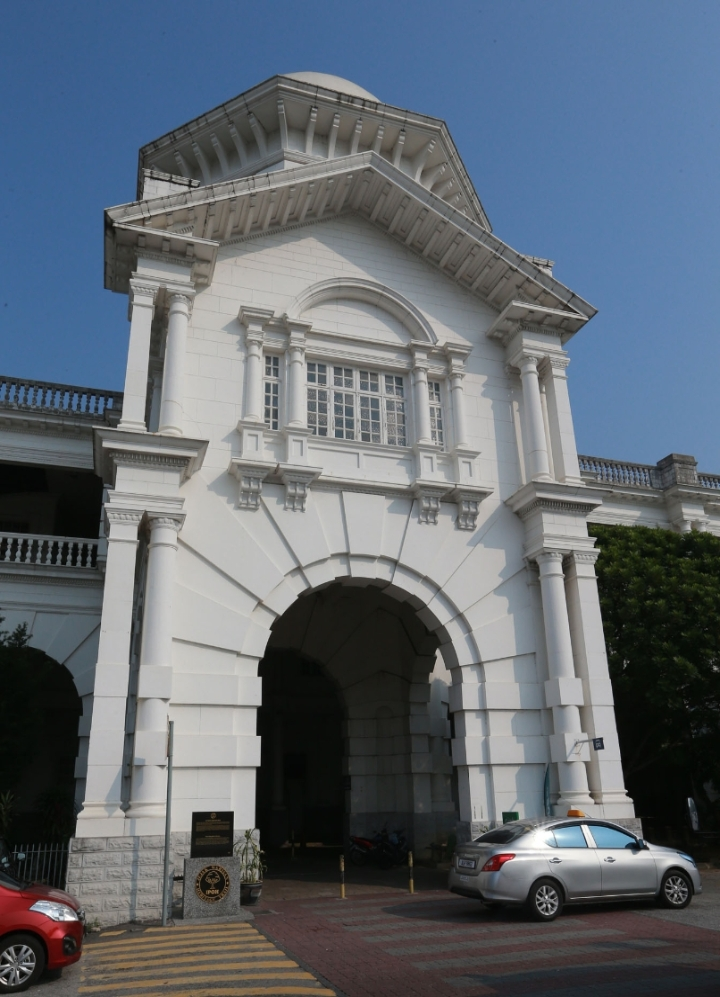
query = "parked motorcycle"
{"x": 385, "y": 849}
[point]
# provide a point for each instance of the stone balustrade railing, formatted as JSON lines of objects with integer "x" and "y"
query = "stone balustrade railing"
{"x": 620, "y": 473}
{"x": 47, "y": 398}
{"x": 64, "y": 552}
{"x": 617, "y": 472}
{"x": 709, "y": 480}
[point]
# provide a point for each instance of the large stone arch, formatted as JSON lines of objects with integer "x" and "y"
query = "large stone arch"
{"x": 372, "y": 641}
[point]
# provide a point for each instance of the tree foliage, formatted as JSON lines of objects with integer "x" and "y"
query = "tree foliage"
{"x": 660, "y": 599}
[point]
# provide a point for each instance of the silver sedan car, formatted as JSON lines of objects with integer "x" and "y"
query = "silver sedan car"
{"x": 544, "y": 864}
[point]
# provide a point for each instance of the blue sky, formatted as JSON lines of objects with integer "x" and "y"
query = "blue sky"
{"x": 590, "y": 130}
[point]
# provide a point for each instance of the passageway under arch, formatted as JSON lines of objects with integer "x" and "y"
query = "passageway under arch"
{"x": 354, "y": 724}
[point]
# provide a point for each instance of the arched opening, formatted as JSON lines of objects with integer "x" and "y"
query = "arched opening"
{"x": 39, "y": 719}
{"x": 354, "y": 722}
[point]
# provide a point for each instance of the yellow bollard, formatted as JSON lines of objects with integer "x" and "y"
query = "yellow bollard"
{"x": 342, "y": 877}
{"x": 410, "y": 868}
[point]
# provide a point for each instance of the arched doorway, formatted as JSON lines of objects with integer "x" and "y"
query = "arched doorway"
{"x": 39, "y": 719}
{"x": 354, "y": 722}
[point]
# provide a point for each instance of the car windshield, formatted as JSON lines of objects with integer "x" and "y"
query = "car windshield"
{"x": 503, "y": 835}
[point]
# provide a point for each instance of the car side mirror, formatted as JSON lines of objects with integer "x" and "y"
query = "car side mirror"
{"x": 642, "y": 843}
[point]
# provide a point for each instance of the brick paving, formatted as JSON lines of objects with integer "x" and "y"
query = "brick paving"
{"x": 436, "y": 944}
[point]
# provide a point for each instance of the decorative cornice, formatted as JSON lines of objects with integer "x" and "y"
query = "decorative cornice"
{"x": 554, "y": 497}
{"x": 119, "y": 447}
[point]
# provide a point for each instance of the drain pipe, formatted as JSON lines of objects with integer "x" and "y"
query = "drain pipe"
{"x": 166, "y": 868}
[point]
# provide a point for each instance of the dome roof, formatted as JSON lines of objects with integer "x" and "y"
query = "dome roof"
{"x": 330, "y": 82}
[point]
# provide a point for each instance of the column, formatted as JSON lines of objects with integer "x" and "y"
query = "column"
{"x": 297, "y": 381}
{"x": 253, "y": 378}
{"x": 458, "y": 405}
{"x": 254, "y": 320}
{"x": 142, "y": 307}
{"x": 538, "y": 465}
{"x": 563, "y": 691}
{"x": 101, "y": 814}
{"x": 605, "y": 775}
{"x": 171, "y": 405}
{"x": 421, "y": 398}
{"x": 562, "y": 432}
{"x": 155, "y": 673}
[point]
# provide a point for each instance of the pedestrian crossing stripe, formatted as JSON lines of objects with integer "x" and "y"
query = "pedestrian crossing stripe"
{"x": 232, "y": 960}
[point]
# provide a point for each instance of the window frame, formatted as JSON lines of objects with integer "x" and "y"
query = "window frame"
{"x": 353, "y": 401}
{"x": 273, "y": 381}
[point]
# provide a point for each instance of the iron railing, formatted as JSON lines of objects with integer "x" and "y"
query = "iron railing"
{"x": 45, "y": 397}
{"x": 43, "y": 863}
{"x": 65, "y": 552}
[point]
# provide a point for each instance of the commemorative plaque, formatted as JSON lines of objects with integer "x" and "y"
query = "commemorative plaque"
{"x": 212, "y": 834}
{"x": 211, "y": 888}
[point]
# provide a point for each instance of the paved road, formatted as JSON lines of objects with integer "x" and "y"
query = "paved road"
{"x": 383, "y": 943}
{"x": 435, "y": 945}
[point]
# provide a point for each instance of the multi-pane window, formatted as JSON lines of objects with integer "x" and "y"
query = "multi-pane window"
{"x": 436, "y": 418}
{"x": 350, "y": 404}
{"x": 271, "y": 386}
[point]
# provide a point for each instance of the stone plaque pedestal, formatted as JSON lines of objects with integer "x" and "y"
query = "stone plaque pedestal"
{"x": 211, "y": 888}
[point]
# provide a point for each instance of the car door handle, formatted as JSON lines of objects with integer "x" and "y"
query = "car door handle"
{"x": 609, "y": 859}
{"x": 555, "y": 860}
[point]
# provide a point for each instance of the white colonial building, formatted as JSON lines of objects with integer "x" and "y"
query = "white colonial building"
{"x": 344, "y": 539}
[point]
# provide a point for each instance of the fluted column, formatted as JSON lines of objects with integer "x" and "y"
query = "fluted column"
{"x": 421, "y": 398}
{"x": 142, "y": 308}
{"x": 297, "y": 381}
{"x": 563, "y": 690}
{"x": 173, "y": 382}
{"x": 562, "y": 432}
{"x": 155, "y": 673}
{"x": 536, "y": 452}
{"x": 101, "y": 813}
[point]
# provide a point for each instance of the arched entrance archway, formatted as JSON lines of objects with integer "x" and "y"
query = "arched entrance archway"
{"x": 38, "y": 743}
{"x": 360, "y": 724}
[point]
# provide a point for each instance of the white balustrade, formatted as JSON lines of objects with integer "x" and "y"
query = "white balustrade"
{"x": 59, "y": 399}
{"x": 64, "y": 552}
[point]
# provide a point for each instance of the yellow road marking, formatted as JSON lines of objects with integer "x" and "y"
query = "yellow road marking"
{"x": 288, "y": 964}
{"x": 218, "y": 967}
{"x": 200, "y": 936}
{"x": 108, "y": 933}
{"x": 177, "y": 928}
{"x": 128, "y": 961}
{"x": 242, "y": 992}
{"x": 139, "y": 985}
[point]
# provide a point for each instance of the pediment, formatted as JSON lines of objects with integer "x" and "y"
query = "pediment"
{"x": 187, "y": 228}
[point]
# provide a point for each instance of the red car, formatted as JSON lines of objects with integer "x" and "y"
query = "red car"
{"x": 40, "y": 928}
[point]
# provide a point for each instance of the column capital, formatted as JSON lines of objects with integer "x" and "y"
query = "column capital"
{"x": 180, "y": 298}
{"x": 550, "y": 559}
{"x": 456, "y": 357}
{"x": 297, "y": 328}
{"x": 583, "y": 556}
{"x": 554, "y": 364}
{"x": 165, "y": 520}
{"x": 420, "y": 356}
{"x": 143, "y": 291}
{"x": 255, "y": 319}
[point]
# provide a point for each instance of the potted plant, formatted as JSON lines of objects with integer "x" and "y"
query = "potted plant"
{"x": 252, "y": 867}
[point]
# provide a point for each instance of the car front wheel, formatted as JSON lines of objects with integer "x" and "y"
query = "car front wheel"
{"x": 676, "y": 890}
{"x": 545, "y": 900}
{"x": 22, "y": 960}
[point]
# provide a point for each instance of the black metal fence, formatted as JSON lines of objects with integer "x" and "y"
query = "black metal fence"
{"x": 42, "y": 863}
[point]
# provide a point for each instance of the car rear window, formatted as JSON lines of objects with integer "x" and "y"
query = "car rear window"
{"x": 502, "y": 835}
{"x": 570, "y": 836}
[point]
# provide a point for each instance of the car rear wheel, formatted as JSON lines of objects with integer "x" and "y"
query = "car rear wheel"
{"x": 545, "y": 900}
{"x": 676, "y": 890}
{"x": 22, "y": 960}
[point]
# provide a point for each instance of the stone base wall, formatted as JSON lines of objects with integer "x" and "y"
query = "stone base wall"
{"x": 118, "y": 880}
